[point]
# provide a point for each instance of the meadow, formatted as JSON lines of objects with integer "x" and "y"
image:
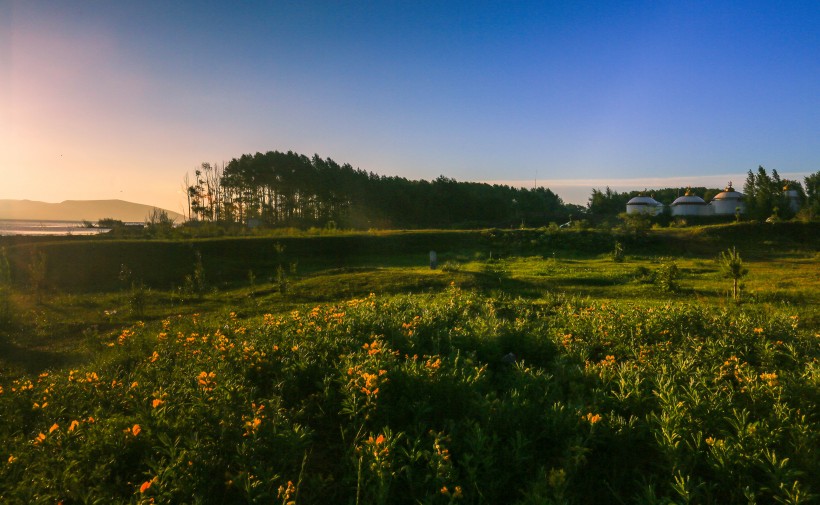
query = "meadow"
{"x": 529, "y": 367}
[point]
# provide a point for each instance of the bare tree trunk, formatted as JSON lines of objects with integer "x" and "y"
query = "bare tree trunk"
{"x": 187, "y": 184}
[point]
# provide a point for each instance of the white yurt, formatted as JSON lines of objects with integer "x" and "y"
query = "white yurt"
{"x": 793, "y": 197}
{"x": 644, "y": 205}
{"x": 690, "y": 205}
{"x": 727, "y": 202}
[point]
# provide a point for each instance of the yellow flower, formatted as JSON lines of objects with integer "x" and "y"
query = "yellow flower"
{"x": 12, "y": 459}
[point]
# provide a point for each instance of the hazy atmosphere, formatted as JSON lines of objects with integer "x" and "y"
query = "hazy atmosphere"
{"x": 115, "y": 100}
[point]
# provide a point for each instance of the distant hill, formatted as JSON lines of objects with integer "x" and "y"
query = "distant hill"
{"x": 78, "y": 210}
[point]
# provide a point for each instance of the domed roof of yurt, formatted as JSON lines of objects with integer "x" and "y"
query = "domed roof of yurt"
{"x": 689, "y": 199}
{"x": 643, "y": 200}
{"x": 728, "y": 193}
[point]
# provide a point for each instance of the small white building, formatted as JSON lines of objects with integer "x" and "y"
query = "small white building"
{"x": 727, "y": 202}
{"x": 644, "y": 205}
{"x": 690, "y": 205}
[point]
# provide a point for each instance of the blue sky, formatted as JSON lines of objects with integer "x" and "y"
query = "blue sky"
{"x": 104, "y": 99}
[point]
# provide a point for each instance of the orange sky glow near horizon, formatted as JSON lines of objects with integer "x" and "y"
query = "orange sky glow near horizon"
{"x": 101, "y": 101}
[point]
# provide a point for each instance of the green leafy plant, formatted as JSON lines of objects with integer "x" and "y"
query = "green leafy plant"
{"x": 194, "y": 283}
{"x": 666, "y": 277}
{"x": 731, "y": 266}
{"x": 618, "y": 252}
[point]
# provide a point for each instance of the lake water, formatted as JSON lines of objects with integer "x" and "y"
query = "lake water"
{"x": 23, "y": 227}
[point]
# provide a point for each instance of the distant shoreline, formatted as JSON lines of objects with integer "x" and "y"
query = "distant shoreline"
{"x": 46, "y": 227}
{"x": 79, "y": 210}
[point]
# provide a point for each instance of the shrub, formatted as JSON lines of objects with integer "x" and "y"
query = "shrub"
{"x": 666, "y": 277}
{"x": 194, "y": 283}
{"x": 618, "y": 253}
{"x": 731, "y": 266}
{"x": 451, "y": 266}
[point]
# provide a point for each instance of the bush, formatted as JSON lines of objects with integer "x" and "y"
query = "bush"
{"x": 618, "y": 253}
{"x": 194, "y": 283}
{"x": 666, "y": 277}
{"x": 451, "y": 266}
{"x": 731, "y": 266}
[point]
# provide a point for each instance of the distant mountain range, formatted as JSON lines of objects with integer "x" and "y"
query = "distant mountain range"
{"x": 78, "y": 210}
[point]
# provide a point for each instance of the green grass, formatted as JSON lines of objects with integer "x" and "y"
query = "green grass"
{"x": 407, "y": 399}
{"x": 621, "y": 391}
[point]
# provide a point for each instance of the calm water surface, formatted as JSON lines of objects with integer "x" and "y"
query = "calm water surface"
{"x": 23, "y": 227}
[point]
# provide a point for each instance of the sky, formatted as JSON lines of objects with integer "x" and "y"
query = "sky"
{"x": 119, "y": 100}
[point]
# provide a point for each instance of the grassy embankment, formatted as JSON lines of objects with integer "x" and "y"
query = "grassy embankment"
{"x": 621, "y": 391}
{"x": 83, "y": 291}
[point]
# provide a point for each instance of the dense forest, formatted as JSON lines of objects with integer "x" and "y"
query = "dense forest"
{"x": 289, "y": 189}
{"x": 278, "y": 189}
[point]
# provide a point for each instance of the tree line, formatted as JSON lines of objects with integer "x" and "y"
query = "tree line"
{"x": 764, "y": 195}
{"x": 290, "y": 189}
{"x": 286, "y": 189}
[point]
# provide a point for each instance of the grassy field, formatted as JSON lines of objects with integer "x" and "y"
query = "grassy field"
{"x": 528, "y": 368}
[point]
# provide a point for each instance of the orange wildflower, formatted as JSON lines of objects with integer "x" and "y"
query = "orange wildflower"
{"x": 156, "y": 403}
{"x": 770, "y": 378}
{"x": 145, "y": 485}
{"x": 135, "y": 430}
{"x": 593, "y": 418}
{"x": 54, "y": 426}
{"x": 73, "y": 425}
